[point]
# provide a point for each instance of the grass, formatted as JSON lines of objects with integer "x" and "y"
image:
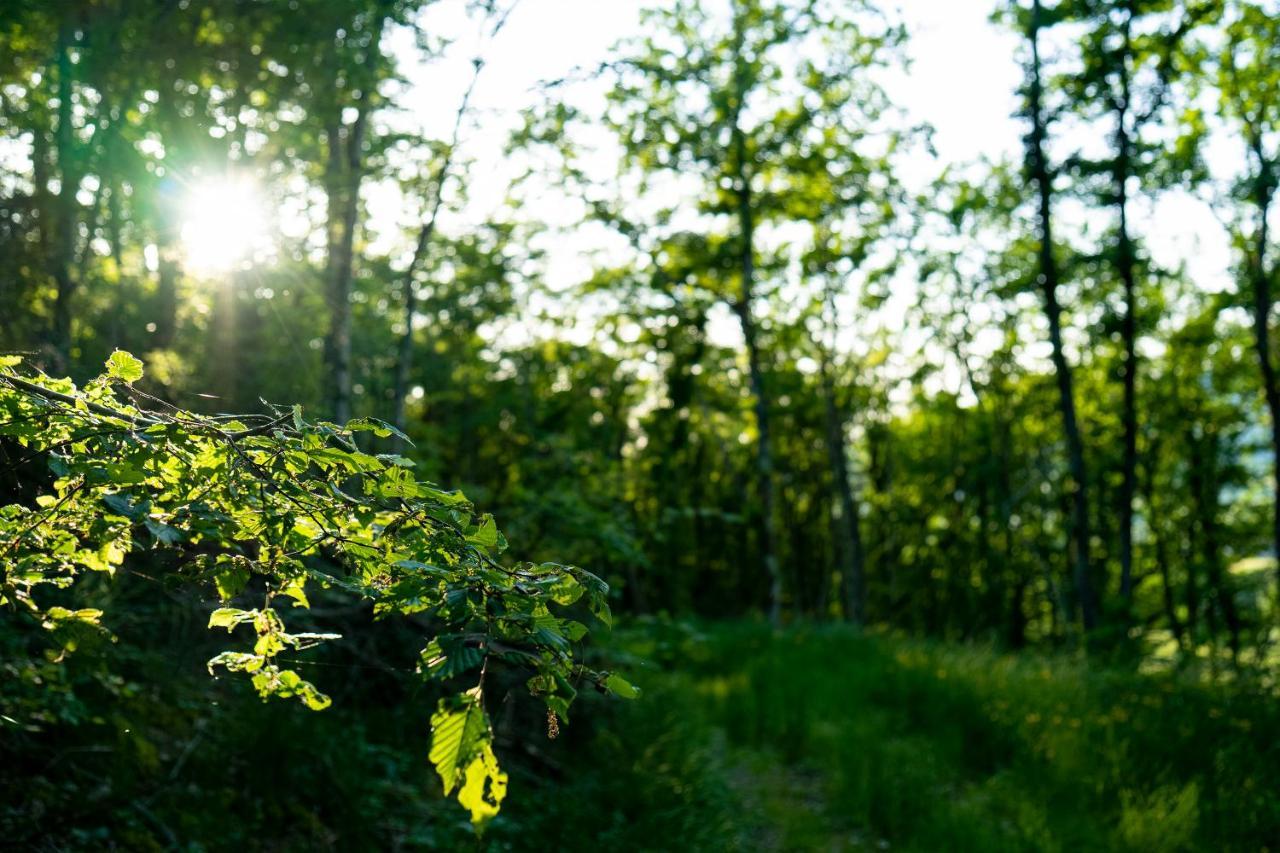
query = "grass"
{"x": 815, "y": 738}
{"x": 819, "y": 738}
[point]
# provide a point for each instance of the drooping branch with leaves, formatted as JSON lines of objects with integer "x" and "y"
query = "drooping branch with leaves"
{"x": 260, "y": 510}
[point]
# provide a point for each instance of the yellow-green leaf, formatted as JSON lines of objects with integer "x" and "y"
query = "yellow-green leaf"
{"x": 484, "y": 788}
{"x": 124, "y": 367}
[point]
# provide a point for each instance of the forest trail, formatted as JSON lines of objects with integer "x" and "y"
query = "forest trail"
{"x": 784, "y": 806}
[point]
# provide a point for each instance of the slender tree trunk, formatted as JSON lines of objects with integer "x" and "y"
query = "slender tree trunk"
{"x": 1125, "y": 264}
{"x": 344, "y": 175}
{"x": 1166, "y": 589}
{"x": 764, "y": 453}
{"x": 697, "y": 498}
{"x": 1191, "y": 590}
{"x": 404, "y": 349}
{"x": 1049, "y": 279}
{"x": 1260, "y": 278}
{"x": 168, "y": 273}
{"x": 63, "y": 248}
{"x": 1205, "y": 491}
{"x": 846, "y": 531}
{"x": 672, "y": 474}
{"x": 345, "y": 163}
{"x": 1002, "y": 441}
{"x": 336, "y": 297}
{"x": 115, "y": 224}
{"x": 1161, "y": 551}
{"x": 168, "y": 240}
{"x": 992, "y": 577}
{"x": 92, "y": 217}
{"x": 40, "y": 174}
{"x": 1017, "y": 635}
{"x": 742, "y": 307}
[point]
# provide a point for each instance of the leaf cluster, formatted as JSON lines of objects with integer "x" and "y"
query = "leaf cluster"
{"x": 273, "y": 506}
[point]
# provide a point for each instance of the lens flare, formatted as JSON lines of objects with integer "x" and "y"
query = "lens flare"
{"x": 224, "y": 224}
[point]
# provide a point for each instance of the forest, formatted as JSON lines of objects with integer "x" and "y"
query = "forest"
{"x": 639, "y": 425}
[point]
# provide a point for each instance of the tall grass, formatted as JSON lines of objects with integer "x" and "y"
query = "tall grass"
{"x": 814, "y": 738}
{"x": 934, "y": 747}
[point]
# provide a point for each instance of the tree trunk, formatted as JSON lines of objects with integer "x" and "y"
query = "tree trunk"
{"x": 63, "y": 248}
{"x": 1125, "y": 263}
{"x": 1260, "y": 277}
{"x": 846, "y": 532}
{"x": 1049, "y": 278}
{"x": 1017, "y": 634}
{"x": 742, "y": 307}
{"x": 1160, "y": 542}
{"x": 1205, "y": 492}
{"x": 672, "y": 474}
{"x": 344, "y": 174}
{"x": 168, "y": 272}
{"x": 764, "y": 453}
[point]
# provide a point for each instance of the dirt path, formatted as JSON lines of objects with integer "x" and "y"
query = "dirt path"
{"x": 784, "y": 807}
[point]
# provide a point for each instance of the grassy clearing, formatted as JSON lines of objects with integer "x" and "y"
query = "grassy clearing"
{"x": 818, "y": 738}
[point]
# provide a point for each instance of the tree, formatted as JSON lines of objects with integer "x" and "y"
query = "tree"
{"x": 762, "y": 116}
{"x": 1127, "y": 72}
{"x": 354, "y": 63}
{"x": 1248, "y": 83}
{"x": 493, "y": 22}
{"x": 1032, "y": 22}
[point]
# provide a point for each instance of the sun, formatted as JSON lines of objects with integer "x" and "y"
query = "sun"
{"x": 224, "y": 223}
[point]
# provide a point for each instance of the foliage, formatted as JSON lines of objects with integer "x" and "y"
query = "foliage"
{"x": 268, "y": 508}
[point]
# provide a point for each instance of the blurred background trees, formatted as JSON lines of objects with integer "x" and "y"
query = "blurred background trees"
{"x": 717, "y": 318}
{"x": 805, "y": 369}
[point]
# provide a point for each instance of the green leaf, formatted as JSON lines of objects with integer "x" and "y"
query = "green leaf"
{"x": 564, "y": 589}
{"x": 268, "y": 645}
{"x": 87, "y": 615}
{"x": 560, "y": 706}
{"x": 163, "y": 533}
{"x": 236, "y": 662}
{"x": 486, "y": 534}
{"x": 122, "y": 505}
{"x": 296, "y": 589}
{"x": 313, "y": 698}
{"x": 378, "y": 427}
{"x": 230, "y": 577}
{"x": 446, "y": 657}
{"x": 124, "y": 367}
{"x": 458, "y": 730}
{"x": 619, "y": 686}
{"x": 424, "y": 568}
{"x": 229, "y": 617}
{"x": 396, "y": 459}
